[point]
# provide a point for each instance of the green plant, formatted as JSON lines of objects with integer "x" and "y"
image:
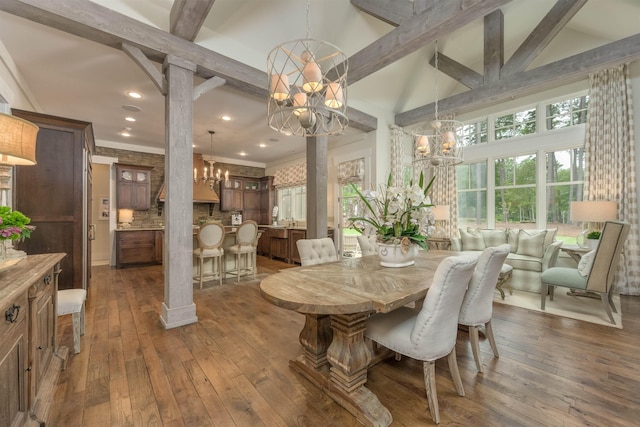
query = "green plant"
{"x": 595, "y": 235}
{"x": 14, "y": 225}
{"x": 397, "y": 213}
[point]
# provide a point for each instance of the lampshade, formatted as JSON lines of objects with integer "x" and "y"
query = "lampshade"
{"x": 125, "y": 216}
{"x": 441, "y": 213}
{"x": 593, "y": 211}
{"x": 17, "y": 141}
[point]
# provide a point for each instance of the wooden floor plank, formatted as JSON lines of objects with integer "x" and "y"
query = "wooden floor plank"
{"x": 231, "y": 368}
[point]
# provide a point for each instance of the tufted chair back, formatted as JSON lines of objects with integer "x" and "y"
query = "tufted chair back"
{"x": 434, "y": 332}
{"x": 316, "y": 251}
{"x": 368, "y": 244}
{"x": 477, "y": 305}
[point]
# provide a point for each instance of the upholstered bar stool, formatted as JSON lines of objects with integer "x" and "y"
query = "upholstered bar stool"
{"x": 245, "y": 249}
{"x": 71, "y": 301}
{"x": 210, "y": 238}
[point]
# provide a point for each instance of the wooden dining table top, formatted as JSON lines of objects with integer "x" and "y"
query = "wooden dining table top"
{"x": 352, "y": 285}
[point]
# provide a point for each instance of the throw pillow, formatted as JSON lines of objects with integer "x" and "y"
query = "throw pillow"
{"x": 531, "y": 244}
{"x": 512, "y": 239}
{"x": 494, "y": 238}
{"x": 586, "y": 262}
{"x": 471, "y": 241}
{"x": 551, "y": 234}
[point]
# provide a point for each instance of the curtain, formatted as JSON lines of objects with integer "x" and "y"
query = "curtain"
{"x": 291, "y": 176}
{"x": 610, "y": 162}
{"x": 397, "y": 156}
{"x": 445, "y": 192}
{"x": 351, "y": 171}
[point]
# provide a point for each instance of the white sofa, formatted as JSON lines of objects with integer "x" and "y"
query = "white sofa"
{"x": 532, "y": 251}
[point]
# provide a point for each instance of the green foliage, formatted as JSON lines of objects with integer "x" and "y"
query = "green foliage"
{"x": 595, "y": 235}
{"x": 14, "y": 225}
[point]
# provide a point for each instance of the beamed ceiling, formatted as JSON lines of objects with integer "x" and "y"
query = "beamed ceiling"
{"x": 77, "y": 58}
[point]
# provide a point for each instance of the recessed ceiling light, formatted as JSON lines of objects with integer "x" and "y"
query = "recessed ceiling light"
{"x": 125, "y": 133}
{"x": 226, "y": 118}
{"x": 242, "y": 153}
{"x": 262, "y": 145}
{"x": 130, "y": 119}
{"x": 273, "y": 140}
{"x": 133, "y": 108}
{"x": 135, "y": 95}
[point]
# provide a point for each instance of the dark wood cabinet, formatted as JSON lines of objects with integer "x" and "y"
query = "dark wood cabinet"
{"x": 56, "y": 194}
{"x": 279, "y": 243}
{"x": 13, "y": 364}
{"x": 267, "y": 200}
{"x": 133, "y": 187}
{"x": 232, "y": 194}
{"x": 138, "y": 247}
{"x": 294, "y": 236}
{"x": 254, "y": 197}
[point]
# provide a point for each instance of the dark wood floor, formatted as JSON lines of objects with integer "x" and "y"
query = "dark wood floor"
{"x": 231, "y": 368}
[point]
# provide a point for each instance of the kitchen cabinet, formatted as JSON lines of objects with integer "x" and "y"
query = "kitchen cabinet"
{"x": 232, "y": 197}
{"x": 251, "y": 200}
{"x": 267, "y": 200}
{"x": 28, "y": 337}
{"x": 56, "y": 194}
{"x": 294, "y": 236}
{"x": 264, "y": 243}
{"x": 138, "y": 247}
{"x": 279, "y": 243}
{"x": 133, "y": 187}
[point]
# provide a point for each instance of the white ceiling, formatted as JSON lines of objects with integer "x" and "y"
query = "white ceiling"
{"x": 70, "y": 77}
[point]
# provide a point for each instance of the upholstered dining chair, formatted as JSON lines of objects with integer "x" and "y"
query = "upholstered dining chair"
{"x": 316, "y": 251}
{"x": 71, "y": 301}
{"x": 477, "y": 306}
{"x": 368, "y": 245}
{"x": 429, "y": 334}
{"x": 245, "y": 249}
{"x": 210, "y": 238}
{"x": 596, "y": 278}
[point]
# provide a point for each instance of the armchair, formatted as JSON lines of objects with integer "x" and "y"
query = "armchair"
{"x": 316, "y": 251}
{"x": 597, "y": 278}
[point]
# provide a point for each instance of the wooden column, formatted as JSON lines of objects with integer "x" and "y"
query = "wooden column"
{"x": 316, "y": 187}
{"x": 178, "y": 308}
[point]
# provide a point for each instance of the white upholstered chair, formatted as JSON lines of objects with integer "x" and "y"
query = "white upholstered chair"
{"x": 596, "y": 278}
{"x": 477, "y": 306}
{"x": 316, "y": 251}
{"x": 210, "y": 238}
{"x": 71, "y": 301}
{"x": 245, "y": 249}
{"x": 429, "y": 334}
{"x": 368, "y": 245}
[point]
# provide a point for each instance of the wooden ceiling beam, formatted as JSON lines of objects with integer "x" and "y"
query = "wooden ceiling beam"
{"x": 548, "y": 76}
{"x": 493, "y": 45}
{"x": 463, "y": 74}
{"x": 393, "y": 12}
{"x": 542, "y": 35}
{"x": 94, "y": 22}
{"x": 442, "y": 17}
{"x": 186, "y": 17}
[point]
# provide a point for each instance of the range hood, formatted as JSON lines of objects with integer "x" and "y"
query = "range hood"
{"x": 202, "y": 192}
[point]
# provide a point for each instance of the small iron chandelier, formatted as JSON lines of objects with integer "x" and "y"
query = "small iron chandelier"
{"x": 208, "y": 175}
{"x": 307, "y": 87}
{"x": 441, "y": 145}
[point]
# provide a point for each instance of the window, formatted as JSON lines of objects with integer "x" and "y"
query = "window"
{"x": 515, "y": 191}
{"x": 472, "y": 195}
{"x": 567, "y": 113}
{"x": 292, "y": 203}
{"x": 515, "y": 124}
{"x": 565, "y": 184}
{"x": 474, "y": 133}
{"x": 351, "y": 207}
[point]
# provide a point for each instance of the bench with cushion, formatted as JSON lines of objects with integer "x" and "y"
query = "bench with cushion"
{"x": 532, "y": 251}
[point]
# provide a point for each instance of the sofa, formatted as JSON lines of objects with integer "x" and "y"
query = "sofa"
{"x": 532, "y": 251}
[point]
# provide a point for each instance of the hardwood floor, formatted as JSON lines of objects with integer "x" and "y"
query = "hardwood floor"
{"x": 231, "y": 368}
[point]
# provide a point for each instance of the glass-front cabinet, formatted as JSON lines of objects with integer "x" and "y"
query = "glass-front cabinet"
{"x": 133, "y": 187}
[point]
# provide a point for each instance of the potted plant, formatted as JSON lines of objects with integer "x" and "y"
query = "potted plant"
{"x": 13, "y": 226}
{"x": 593, "y": 238}
{"x": 401, "y": 217}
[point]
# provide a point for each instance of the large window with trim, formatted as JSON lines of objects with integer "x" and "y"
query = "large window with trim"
{"x": 564, "y": 184}
{"x": 515, "y": 124}
{"x": 566, "y": 113}
{"x": 515, "y": 191}
{"x": 292, "y": 203}
{"x": 472, "y": 195}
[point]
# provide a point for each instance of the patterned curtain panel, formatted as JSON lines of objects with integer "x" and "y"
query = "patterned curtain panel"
{"x": 445, "y": 192}
{"x": 610, "y": 162}
{"x": 291, "y": 176}
{"x": 352, "y": 171}
{"x": 398, "y": 137}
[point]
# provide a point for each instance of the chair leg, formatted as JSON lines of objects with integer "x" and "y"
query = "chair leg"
{"x": 75, "y": 318}
{"x": 475, "y": 346}
{"x": 455, "y": 372}
{"x": 238, "y": 260}
{"x": 543, "y": 295}
{"x": 201, "y": 264}
{"x": 82, "y": 320}
{"x": 430, "y": 386}
{"x": 607, "y": 307}
{"x": 488, "y": 331}
{"x": 610, "y": 297}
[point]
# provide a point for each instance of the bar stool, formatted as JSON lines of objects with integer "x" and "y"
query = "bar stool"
{"x": 71, "y": 301}
{"x": 210, "y": 238}
{"x": 245, "y": 248}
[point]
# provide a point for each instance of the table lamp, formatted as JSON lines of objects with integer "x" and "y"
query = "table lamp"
{"x": 440, "y": 214}
{"x": 592, "y": 214}
{"x": 17, "y": 147}
{"x": 125, "y": 217}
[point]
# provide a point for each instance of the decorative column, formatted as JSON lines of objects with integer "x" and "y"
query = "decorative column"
{"x": 178, "y": 308}
{"x": 316, "y": 187}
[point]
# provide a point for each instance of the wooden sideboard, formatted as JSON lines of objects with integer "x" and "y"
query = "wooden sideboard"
{"x": 138, "y": 246}
{"x": 28, "y": 303}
